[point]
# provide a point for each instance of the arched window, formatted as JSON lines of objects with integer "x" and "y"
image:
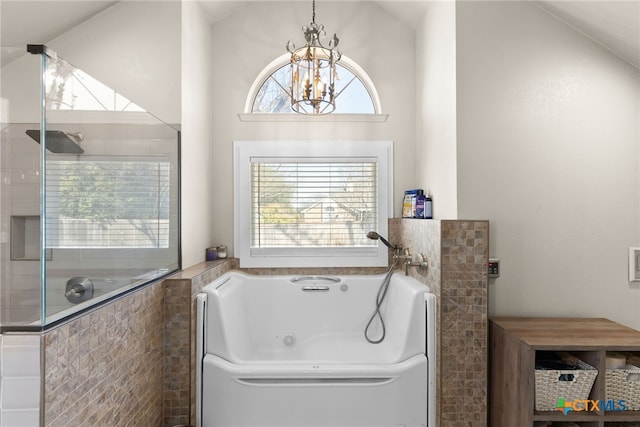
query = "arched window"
{"x": 270, "y": 92}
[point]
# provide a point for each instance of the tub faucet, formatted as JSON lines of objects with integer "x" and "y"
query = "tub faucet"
{"x": 399, "y": 254}
{"x": 409, "y": 261}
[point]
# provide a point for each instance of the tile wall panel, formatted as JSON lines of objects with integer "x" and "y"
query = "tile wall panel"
{"x": 457, "y": 252}
{"x": 423, "y": 237}
{"x": 463, "y": 322}
{"x": 179, "y": 338}
{"x": 105, "y": 368}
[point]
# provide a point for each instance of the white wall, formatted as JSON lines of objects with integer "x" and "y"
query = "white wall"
{"x": 257, "y": 33}
{"x": 548, "y": 134}
{"x": 436, "y": 164}
{"x": 197, "y": 131}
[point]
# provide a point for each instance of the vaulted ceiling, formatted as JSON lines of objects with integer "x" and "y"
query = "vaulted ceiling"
{"x": 613, "y": 24}
{"x": 39, "y": 21}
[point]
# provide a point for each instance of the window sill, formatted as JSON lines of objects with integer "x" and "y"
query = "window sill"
{"x": 292, "y": 117}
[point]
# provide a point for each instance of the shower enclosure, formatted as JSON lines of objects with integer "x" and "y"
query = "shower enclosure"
{"x": 89, "y": 192}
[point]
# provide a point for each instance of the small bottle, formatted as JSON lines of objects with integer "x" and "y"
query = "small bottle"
{"x": 222, "y": 251}
{"x": 420, "y": 205}
{"x": 428, "y": 207}
{"x": 211, "y": 254}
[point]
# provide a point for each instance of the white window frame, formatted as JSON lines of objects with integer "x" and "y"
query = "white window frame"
{"x": 285, "y": 59}
{"x": 380, "y": 152}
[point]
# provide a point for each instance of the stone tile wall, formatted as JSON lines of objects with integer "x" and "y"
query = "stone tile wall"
{"x": 464, "y": 323}
{"x": 179, "y": 338}
{"x": 177, "y": 352}
{"x": 423, "y": 237}
{"x": 104, "y": 368}
{"x": 458, "y": 255}
{"x": 130, "y": 362}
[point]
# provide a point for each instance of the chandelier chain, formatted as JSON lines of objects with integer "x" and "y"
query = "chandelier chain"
{"x": 313, "y": 15}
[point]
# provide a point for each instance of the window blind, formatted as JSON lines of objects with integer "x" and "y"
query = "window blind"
{"x": 304, "y": 204}
{"x": 107, "y": 203}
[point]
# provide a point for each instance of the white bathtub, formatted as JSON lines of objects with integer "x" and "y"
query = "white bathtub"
{"x": 291, "y": 351}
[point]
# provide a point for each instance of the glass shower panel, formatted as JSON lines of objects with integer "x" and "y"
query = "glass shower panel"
{"x": 89, "y": 191}
{"x": 20, "y": 175}
{"x": 111, "y": 193}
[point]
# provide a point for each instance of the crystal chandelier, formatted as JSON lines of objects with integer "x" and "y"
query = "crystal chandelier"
{"x": 313, "y": 71}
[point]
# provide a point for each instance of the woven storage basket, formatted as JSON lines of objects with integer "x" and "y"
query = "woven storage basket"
{"x": 624, "y": 384}
{"x": 569, "y": 384}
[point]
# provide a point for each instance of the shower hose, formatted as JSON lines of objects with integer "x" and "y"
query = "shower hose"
{"x": 382, "y": 293}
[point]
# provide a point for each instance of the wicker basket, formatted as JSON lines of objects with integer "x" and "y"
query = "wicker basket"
{"x": 624, "y": 384}
{"x": 570, "y": 385}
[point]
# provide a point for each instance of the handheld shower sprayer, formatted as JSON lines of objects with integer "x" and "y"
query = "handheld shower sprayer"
{"x": 382, "y": 291}
{"x": 375, "y": 236}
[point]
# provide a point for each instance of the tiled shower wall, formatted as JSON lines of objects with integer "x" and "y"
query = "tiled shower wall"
{"x": 19, "y": 198}
{"x": 129, "y": 362}
{"x": 105, "y": 368}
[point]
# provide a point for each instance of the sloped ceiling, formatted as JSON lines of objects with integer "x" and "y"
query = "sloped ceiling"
{"x": 614, "y": 24}
{"x": 25, "y": 22}
{"x": 611, "y": 23}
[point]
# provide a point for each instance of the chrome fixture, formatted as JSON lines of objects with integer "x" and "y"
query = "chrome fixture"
{"x": 315, "y": 92}
{"x": 315, "y": 288}
{"x": 410, "y": 262}
{"x": 398, "y": 253}
{"x": 79, "y": 289}
{"x": 314, "y": 279}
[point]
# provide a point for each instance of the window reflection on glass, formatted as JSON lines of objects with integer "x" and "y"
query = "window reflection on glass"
{"x": 69, "y": 88}
{"x": 108, "y": 203}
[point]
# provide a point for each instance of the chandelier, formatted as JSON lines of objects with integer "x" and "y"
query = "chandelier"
{"x": 313, "y": 71}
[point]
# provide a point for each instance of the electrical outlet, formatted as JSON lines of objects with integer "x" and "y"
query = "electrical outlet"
{"x": 634, "y": 264}
{"x": 494, "y": 267}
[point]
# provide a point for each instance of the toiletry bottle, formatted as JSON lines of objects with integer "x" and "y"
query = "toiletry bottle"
{"x": 221, "y": 251}
{"x": 211, "y": 254}
{"x": 420, "y": 205}
{"x": 428, "y": 207}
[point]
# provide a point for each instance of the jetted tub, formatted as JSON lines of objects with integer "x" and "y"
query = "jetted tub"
{"x": 291, "y": 351}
